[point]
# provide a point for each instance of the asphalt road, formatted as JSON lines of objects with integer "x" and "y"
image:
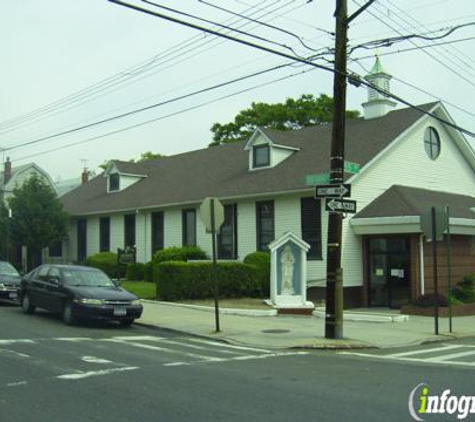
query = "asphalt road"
{"x": 51, "y": 372}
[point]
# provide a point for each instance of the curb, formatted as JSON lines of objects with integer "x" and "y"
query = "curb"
{"x": 224, "y": 311}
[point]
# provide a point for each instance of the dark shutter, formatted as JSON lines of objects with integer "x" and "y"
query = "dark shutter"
{"x": 312, "y": 226}
{"x": 157, "y": 231}
{"x": 104, "y": 234}
{"x": 189, "y": 227}
{"x": 129, "y": 230}
{"x": 82, "y": 240}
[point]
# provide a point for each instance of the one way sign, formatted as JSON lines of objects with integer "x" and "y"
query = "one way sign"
{"x": 333, "y": 191}
{"x": 340, "y": 205}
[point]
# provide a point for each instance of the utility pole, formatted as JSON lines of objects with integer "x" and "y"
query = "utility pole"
{"x": 334, "y": 289}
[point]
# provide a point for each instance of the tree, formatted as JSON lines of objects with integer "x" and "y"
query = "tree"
{"x": 147, "y": 155}
{"x": 307, "y": 110}
{"x": 38, "y": 219}
{"x": 3, "y": 230}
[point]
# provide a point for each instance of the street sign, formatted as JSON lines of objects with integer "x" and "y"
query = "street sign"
{"x": 340, "y": 205}
{"x": 205, "y": 214}
{"x": 315, "y": 179}
{"x": 352, "y": 168}
{"x": 441, "y": 223}
{"x": 333, "y": 191}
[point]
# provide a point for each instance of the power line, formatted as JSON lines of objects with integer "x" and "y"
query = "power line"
{"x": 119, "y": 79}
{"x": 354, "y": 78}
{"x": 165, "y": 116}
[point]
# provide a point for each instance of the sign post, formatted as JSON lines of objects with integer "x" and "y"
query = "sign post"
{"x": 212, "y": 215}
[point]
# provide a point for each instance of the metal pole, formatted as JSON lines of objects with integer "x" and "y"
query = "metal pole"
{"x": 434, "y": 260}
{"x": 215, "y": 268}
{"x": 334, "y": 288}
{"x": 449, "y": 266}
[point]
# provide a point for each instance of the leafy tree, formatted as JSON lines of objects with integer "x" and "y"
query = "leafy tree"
{"x": 292, "y": 114}
{"x": 38, "y": 218}
{"x": 3, "y": 230}
{"x": 147, "y": 155}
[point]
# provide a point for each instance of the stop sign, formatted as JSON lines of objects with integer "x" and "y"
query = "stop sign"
{"x": 206, "y": 206}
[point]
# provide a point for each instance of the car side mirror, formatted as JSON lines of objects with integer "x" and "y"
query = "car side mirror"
{"x": 54, "y": 279}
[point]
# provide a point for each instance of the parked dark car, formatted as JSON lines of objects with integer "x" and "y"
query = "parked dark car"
{"x": 9, "y": 281}
{"x": 77, "y": 293}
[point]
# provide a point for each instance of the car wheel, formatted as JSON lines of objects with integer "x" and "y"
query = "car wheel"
{"x": 26, "y": 304}
{"x": 68, "y": 317}
{"x": 126, "y": 322}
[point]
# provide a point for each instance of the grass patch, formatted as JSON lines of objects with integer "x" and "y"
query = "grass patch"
{"x": 243, "y": 303}
{"x": 143, "y": 289}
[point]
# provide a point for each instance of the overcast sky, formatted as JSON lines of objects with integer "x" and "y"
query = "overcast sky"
{"x": 68, "y": 63}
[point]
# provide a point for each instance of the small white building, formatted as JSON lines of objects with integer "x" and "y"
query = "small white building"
{"x": 409, "y": 161}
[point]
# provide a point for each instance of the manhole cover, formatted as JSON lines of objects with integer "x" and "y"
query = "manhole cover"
{"x": 276, "y": 331}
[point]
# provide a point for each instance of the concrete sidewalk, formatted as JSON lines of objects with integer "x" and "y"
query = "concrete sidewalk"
{"x": 286, "y": 331}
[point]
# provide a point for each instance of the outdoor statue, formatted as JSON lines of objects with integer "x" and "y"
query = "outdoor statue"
{"x": 287, "y": 261}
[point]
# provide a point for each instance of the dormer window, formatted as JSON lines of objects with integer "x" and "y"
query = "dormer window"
{"x": 114, "y": 182}
{"x": 261, "y": 155}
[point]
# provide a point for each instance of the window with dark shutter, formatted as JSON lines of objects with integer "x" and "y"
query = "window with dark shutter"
{"x": 189, "y": 227}
{"x": 114, "y": 182}
{"x": 227, "y": 237}
{"x": 129, "y": 230}
{"x": 157, "y": 231}
{"x": 311, "y": 224}
{"x": 104, "y": 234}
{"x": 265, "y": 224}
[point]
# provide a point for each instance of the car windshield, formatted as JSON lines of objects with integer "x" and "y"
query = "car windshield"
{"x": 8, "y": 269}
{"x": 90, "y": 278}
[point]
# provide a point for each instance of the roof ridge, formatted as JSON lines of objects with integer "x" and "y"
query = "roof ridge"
{"x": 400, "y": 194}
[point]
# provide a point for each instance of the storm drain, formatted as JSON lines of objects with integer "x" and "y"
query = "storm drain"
{"x": 276, "y": 331}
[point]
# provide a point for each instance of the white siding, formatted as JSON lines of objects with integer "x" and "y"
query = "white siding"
{"x": 92, "y": 235}
{"x": 279, "y": 154}
{"x": 246, "y": 211}
{"x": 141, "y": 237}
{"x": 126, "y": 181}
{"x": 405, "y": 163}
{"x": 172, "y": 227}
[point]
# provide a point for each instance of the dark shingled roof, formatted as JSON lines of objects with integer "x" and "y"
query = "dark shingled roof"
{"x": 222, "y": 171}
{"x": 399, "y": 201}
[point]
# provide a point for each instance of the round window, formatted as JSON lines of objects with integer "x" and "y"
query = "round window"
{"x": 432, "y": 143}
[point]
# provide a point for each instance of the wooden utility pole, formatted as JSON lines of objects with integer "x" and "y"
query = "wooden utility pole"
{"x": 334, "y": 289}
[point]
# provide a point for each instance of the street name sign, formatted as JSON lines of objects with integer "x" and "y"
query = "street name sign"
{"x": 352, "y": 168}
{"x": 340, "y": 205}
{"x": 315, "y": 179}
{"x": 333, "y": 191}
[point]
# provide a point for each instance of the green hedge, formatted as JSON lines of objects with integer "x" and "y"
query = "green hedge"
{"x": 107, "y": 262}
{"x": 148, "y": 271}
{"x": 176, "y": 253}
{"x": 465, "y": 290}
{"x": 136, "y": 272}
{"x": 182, "y": 281}
{"x": 261, "y": 261}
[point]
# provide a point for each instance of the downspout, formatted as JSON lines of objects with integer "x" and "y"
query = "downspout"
{"x": 421, "y": 260}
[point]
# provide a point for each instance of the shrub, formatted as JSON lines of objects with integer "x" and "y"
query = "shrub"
{"x": 148, "y": 271}
{"x": 428, "y": 300}
{"x": 182, "y": 281}
{"x": 175, "y": 253}
{"x": 465, "y": 290}
{"x": 107, "y": 262}
{"x": 261, "y": 261}
{"x": 135, "y": 272}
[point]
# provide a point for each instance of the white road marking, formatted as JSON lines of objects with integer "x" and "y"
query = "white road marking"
{"x": 228, "y": 346}
{"x": 193, "y": 346}
{"x": 16, "y": 384}
{"x": 23, "y": 355}
{"x": 163, "y": 349}
{"x": 13, "y": 341}
{"x": 420, "y": 352}
{"x": 73, "y": 339}
{"x": 451, "y": 356}
{"x": 92, "y": 359}
{"x": 237, "y": 358}
{"x": 88, "y": 374}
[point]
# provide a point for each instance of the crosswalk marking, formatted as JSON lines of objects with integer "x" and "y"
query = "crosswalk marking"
{"x": 229, "y": 346}
{"x": 446, "y": 355}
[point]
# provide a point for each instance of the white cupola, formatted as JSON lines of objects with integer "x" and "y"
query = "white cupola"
{"x": 378, "y": 104}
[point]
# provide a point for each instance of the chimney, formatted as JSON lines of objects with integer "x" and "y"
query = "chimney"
{"x": 7, "y": 173}
{"x": 84, "y": 176}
